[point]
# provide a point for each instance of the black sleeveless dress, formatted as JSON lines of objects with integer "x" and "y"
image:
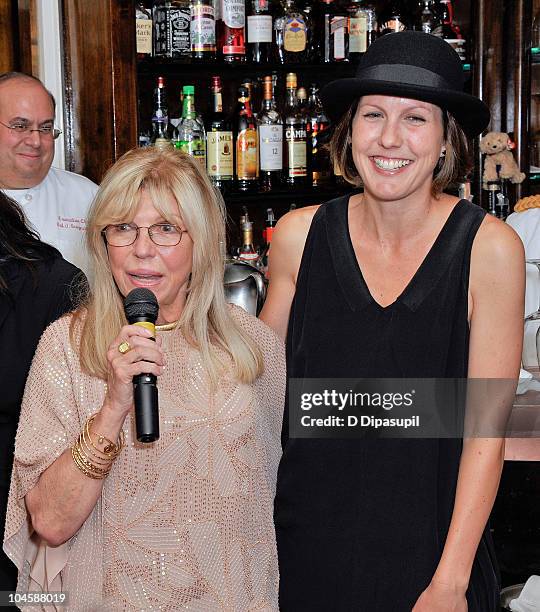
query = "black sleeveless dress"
{"x": 361, "y": 524}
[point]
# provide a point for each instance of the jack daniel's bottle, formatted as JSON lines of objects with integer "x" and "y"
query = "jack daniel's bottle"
{"x": 171, "y": 29}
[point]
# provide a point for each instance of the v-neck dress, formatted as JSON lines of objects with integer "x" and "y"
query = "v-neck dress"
{"x": 361, "y": 524}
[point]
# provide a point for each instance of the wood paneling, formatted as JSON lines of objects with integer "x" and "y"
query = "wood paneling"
{"x": 17, "y": 31}
{"x": 100, "y": 72}
{"x": 7, "y": 46}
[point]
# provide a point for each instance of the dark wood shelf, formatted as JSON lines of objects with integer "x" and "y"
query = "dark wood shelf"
{"x": 171, "y": 67}
{"x": 283, "y": 198}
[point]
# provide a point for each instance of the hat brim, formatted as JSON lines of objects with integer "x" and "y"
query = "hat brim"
{"x": 469, "y": 111}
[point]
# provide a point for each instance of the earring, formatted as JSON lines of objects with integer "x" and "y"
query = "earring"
{"x": 443, "y": 153}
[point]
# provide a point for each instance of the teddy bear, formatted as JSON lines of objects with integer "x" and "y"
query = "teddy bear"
{"x": 497, "y": 148}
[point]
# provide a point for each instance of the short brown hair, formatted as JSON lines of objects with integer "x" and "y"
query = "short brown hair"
{"x": 453, "y": 169}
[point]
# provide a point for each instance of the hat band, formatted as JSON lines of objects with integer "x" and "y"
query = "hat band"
{"x": 404, "y": 74}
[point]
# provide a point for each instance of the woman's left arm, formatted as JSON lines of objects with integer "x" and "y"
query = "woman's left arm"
{"x": 496, "y": 296}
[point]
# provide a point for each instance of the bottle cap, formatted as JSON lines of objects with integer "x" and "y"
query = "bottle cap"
{"x": 291, "y": 80}
{"x": 188, "y": 90}
{"x": 301, "y": 93}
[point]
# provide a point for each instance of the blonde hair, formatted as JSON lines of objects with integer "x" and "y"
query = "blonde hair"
{"x": 453, "y": 168}
{"x": 206, "y": 320}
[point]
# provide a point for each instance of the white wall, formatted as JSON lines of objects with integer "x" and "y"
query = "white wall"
{"x": 50, "y": 64}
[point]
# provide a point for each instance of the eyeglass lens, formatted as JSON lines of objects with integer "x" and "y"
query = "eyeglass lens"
{"x": 162, "y": 234}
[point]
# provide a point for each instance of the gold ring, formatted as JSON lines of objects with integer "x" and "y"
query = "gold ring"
{"x": 124, "y": 348}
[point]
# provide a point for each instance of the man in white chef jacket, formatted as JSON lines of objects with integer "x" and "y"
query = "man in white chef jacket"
{"x": 55, "y": 201}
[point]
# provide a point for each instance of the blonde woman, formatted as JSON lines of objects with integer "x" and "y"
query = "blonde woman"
{"x": 186, "y": 521}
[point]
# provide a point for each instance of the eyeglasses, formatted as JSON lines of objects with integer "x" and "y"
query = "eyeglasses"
{"x": 124, "y": 234}
{"x": 45, "y": 131}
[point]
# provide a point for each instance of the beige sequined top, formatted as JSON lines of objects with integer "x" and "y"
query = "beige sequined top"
{"x": 183, "y": 523}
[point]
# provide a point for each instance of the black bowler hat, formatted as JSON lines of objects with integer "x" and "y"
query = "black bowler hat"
{"x": 410, "y": 65}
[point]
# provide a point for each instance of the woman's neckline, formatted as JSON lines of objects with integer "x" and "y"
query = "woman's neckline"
{"x": 423, "y": 264}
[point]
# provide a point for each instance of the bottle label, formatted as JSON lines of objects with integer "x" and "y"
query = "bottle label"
{"x": 195, "y": 148}
{"x": 144, "y": 36}
{"x": 203, "y": 28}
{"x": 248, "y": 256}
{"x": 259, "y": 29}
{"x": 297, "y": 150}
{"x": 219, "y": 161}
{"x": 358, "y": 34}
{"x": 271, "y": 147}
{"x": 338, "y": 27}
{"x": 180, "y": 23}
{"x": 246, "y": 154}
{"x": 233, "y": 13}
{"x": 393, "y": 25}
{"x": 295, "y": 35}
{"x": 162, "y": 143}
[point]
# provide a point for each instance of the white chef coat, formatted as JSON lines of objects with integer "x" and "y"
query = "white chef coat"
{"x": 57, "y": 209}
{"x": 527, "y": 225}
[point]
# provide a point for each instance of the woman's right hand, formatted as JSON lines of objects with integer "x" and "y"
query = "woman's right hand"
{"x": 145, "y": 356}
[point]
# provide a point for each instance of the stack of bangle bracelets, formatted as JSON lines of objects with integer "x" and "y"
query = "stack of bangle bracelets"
{"x": 91, "y": 460}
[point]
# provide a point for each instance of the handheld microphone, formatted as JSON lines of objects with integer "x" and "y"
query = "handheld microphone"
{"x": 141, "y": 308}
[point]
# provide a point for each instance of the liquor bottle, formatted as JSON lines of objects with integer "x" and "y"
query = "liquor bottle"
{"x": 291, "y": 27}
{"x": 427, "y": 16}
{"x": 445, "y": 27}
{"x": 247, "y": 251}
{"x": 202, "y": 31}
{"x": 392, "y": 19}
{"x": 493, "y": 188}
{"x": 171, "y": 21}
{"x": 503, "y": 201}
{"x": 231, "y": 33}
{"x": 247, "y": 158}
{"x": 362, "y": 28}
{"x": 448, "y": 30}
{"x": 160, "y": 118}
{"x": 251, "y": 86}
{"x": 219, "y": 142}
{"x": 334, "y": 32}
{"x": 259, "y": 32}
{"x": 270, "y": 125}
{"x": 143, "y": 27}
{"x": 319, "y": 154}
{"x": 267, "y": 236}
{"x": 295, "y": 149}
{"x": 191, "y": 138}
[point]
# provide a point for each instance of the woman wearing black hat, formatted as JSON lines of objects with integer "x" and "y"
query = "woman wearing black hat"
{"x": 400, "y": 281}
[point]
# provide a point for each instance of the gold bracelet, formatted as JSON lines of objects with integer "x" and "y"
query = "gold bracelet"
{"x": 82, "y": 468}
{"x": 112, "y": 449}
{"x": 86, "y": 439}
{"x": 91, "y": 460}
{"x": 88, "y": 463}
